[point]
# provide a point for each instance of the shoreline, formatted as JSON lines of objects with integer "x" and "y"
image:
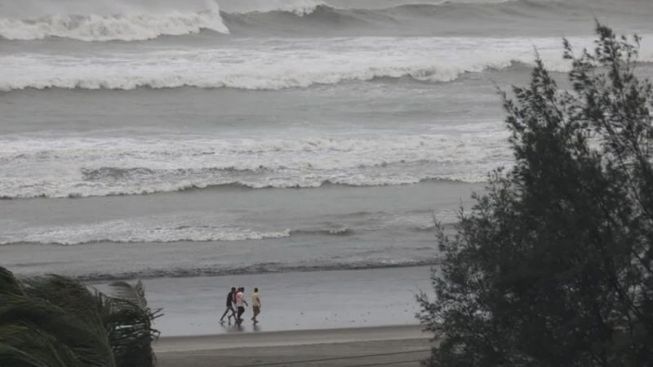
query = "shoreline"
{"x": 291, "y": 301}
{"x": 403, "y": 345}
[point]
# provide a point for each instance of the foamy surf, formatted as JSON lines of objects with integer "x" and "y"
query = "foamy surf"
{"x": 80, "y": 167}
{"x": 207, "y": 226}
{"x": 114, "y": 27}
{"x": 121, "y": 231}
{"x": 281, "y": 63}
{"x": 296, "y": 7}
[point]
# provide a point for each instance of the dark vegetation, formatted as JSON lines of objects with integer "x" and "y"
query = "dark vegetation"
{"x": 553, "y": 265}
{"x": 55, "y": 321}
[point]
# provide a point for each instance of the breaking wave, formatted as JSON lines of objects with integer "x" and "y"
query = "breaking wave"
{"x": 296, "y": 7}
{"x": 80, "y": 167}
{"x": 273, "y": 64}
{"x": 122, "y": 27}
{"x": 122, "y": 232}
{"x": 136, "y": 21}
{"x": 213, "y": 227}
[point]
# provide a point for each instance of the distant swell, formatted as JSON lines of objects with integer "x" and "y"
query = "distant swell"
{"x": 448, "y": 17}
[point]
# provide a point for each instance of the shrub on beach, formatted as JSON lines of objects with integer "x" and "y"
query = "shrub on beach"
{"x": 55, "y": 321}
{"x": 553, "y": 265}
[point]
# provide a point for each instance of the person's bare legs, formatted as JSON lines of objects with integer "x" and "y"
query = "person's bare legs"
{"x": 256, "y": 311}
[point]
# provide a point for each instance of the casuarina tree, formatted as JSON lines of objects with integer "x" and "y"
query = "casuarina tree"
{"x": 553, "y": 264}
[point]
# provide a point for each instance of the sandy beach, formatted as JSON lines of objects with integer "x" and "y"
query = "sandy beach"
{"x": 367, "y": 346}
{"x": 307, "y": 148}
{"x": 291, "y": 301}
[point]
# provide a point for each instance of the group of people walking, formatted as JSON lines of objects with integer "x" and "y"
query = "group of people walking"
{"x": 236, "y": 304}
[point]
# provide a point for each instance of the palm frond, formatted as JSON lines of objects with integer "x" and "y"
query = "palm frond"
{"x": 55, "y": 321}
{"x": 8, "y": 283}
{"x": 70, "y": 295}
{"x": 132, "y": 293}
{"x": 10, "y": 356}
{"x": 33, "y": 347}
{"x": 129, "y": 322}
{"x": 48, "y": 327}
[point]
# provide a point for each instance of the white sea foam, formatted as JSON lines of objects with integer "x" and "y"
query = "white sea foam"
{"x": 281, "y": 63}
{"x": 138, "y": 230}
{"x": 275, "y": 64}
{"x": 298, "y": 7}
{"x": 71, "y": 167}
{"x": 211, "y": 226}
{"x": 139, "y": 25}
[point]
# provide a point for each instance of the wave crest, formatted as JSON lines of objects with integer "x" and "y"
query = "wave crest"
{"x": 272, "y": 64}
{"x": 143, "y": 231}
{"x": 296, "y": 7}
{"x": 130, "y": 27}
{"x": 80, "y": 167}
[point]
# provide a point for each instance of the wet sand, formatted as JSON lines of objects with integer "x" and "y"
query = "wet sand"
{"x": 373, "y": 346}
{"x": 291, "y": 301}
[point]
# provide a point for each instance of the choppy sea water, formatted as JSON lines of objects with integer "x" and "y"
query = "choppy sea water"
{"x": 152, "y": 138}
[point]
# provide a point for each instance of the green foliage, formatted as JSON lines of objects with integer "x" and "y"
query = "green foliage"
{"x": 553, "y": 266}
{"x": 58, "y": 322}
{"x": 129, "y": 321}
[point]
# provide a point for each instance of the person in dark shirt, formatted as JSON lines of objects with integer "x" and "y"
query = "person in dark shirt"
{"x": 230, "y": 305}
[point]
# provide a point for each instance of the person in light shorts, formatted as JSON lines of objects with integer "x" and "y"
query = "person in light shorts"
{"x": 256, "y": 304}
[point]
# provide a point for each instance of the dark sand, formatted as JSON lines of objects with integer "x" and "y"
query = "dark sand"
{"x": 374, "y": 346}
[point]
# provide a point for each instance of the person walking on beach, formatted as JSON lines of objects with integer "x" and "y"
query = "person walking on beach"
{"x": 256, "y": 305}
{"x": 230, "y": 306}
{"x": 240, "y": 304}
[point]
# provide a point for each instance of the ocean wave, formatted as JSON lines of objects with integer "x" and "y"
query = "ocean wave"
{"x": 115, "y": 81}
{"x": 288, "y": 183}
{"x": 273, "y": 64}
{"x": 81, "y": 167}
{"x": 136, "y": 22}
{"x": 129, "y": 27}
{"x": 127, "y": 232}
{"x": 208, "y": 227}
{"x": 120, "y": 231}
{"x": 333, "y": 231}
{"x": 434, "y": 17}
{"x": 259, "y": 268}
{"x": 296, "y": 7}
